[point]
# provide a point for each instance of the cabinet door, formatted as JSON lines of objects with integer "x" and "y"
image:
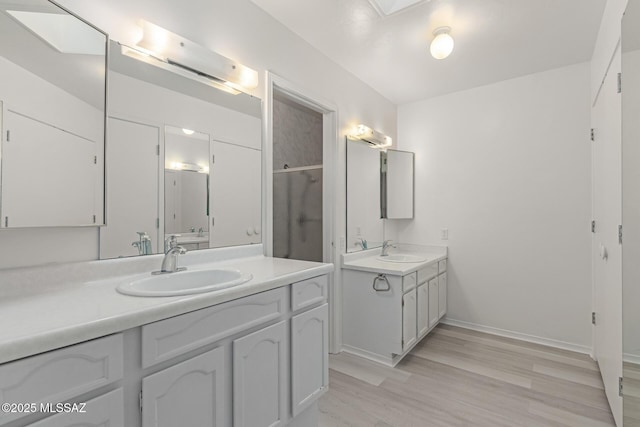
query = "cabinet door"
{"x": 309, "y": 357}
{"x": 106, "y": 410}
{"x": 259, "y": 378}
{"x": 423, "y": 309}
{"x": 235, "y": 195}
{"x": 434, "y": 309}
{"x": 442, "y": 294}
{"x": 409, "y": 307}
{"x": 189, "y": 394}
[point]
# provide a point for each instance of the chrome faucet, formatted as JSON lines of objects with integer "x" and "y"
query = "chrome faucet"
{"x": 385, "y": 247}
{"x": 170, "y": 261}
{"x": 143, "y": 244}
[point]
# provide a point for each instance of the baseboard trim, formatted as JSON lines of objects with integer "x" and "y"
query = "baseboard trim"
{"x": 519, "y": 336}
{"x": 631, "y": 358}
{"x": 388, "y": 361}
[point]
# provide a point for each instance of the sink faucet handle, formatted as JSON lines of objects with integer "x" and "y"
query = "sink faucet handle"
{"x": 171, "y": 242}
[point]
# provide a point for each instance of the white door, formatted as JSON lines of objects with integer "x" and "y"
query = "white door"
{"x": 189, "y": 394}
{"x": 442, "y": 295}
{"x": 423, "y": 309}
{"x": 236, "y": 208}
{"x": 106, "y": 410}
{"x": 132, "y": 188}
{"x": 260, "y": 378}
{"x": 309, "y": 357}
{"x": 49, "y": 175}
{"x": 434, "y": 302}
{"x": 607, "y": 202}
{"x": 409, "y": 321}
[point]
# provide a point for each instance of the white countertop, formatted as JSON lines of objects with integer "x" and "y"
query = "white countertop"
{"x": 35, "y": 322}
{"x": 368, "y": 260}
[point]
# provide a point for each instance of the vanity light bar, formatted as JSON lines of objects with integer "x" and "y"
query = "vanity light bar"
{"x": 187, "y": 55}
{"x": 373, "y": 137}
{"x": 157, "y": 62}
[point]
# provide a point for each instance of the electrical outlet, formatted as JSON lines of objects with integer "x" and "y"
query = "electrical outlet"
{"x": 444, "y": 234}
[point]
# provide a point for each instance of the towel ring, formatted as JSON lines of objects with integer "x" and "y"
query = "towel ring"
{"x": 375, "y": 283}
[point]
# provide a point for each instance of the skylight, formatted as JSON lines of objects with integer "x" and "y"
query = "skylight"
{"x": 388, "y": 7}
{"x": 64, "y": 33}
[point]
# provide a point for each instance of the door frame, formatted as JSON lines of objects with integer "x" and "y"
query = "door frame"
{"x": 330, "y": 253}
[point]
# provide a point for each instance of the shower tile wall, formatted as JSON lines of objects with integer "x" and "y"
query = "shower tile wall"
{"x": 297, "y": 135}
{"x": 297, "y": 195}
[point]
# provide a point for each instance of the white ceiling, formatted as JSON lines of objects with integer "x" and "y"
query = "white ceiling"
{"x": 494, "y": 40}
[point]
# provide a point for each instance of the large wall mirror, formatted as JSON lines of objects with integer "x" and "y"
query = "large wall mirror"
{"x": 183, "y": 158}
{"x": 631, "y": 212}
{"x": 52, "y": 98}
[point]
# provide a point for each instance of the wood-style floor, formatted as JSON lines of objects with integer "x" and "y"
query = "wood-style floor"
{"x": 459, "y": 377}
{"x": 631, "y": 402}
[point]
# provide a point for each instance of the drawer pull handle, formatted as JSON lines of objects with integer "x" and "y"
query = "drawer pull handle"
{"x": 375, "y": 283}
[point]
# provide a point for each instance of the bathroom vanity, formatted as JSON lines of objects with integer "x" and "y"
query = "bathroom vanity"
{"x": 251, "y": 355}
{"x": 391, "y": 303}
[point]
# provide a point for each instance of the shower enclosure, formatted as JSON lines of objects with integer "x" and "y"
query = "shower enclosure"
{"x": 297, "y": 213}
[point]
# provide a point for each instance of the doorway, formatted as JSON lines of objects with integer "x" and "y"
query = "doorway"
{"x": 297, "y": 180}
{"x": 316, "y": 188}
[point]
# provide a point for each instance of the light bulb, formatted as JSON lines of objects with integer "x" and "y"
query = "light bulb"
{"x": 442, "y": 44}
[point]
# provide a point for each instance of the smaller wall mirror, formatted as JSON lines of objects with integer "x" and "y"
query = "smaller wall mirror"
{"x": 186, "y": 186}
{"x": 364, "y": 224}
{"x": 397, "y": 170}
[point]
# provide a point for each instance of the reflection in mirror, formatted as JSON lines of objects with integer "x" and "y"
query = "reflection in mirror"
{"x": 364, "y": 224}
{"x": 213, "y": 204}
{"x": 186, "y": 187}
{"x": 52, "y": 99}
{"x": 631, "y": 212}
{"x": 397, "y": 184}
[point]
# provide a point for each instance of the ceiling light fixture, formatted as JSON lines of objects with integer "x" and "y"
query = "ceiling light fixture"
{"x": 442, "y": 44}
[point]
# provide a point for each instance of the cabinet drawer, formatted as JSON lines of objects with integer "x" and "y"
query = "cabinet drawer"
{"x": 428, "y": 272}
{"x": 409, "y": 282}
{"x": 171, "y": 337}
{"x": 105, "y": 410}
{"x": 309, "y": 292}
{"x": 61, "y": 374}
{"x": 442, "y": 266}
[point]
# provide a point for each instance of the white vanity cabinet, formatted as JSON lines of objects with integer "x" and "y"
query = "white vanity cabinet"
{"x": 188, "y": 394}
{"x": 59, "y": 376}
{"x": 260, "y": 360}
{"x": 260, "y": 378}
{"x": 409, "y": 320}
{"x": 386, "y": 315}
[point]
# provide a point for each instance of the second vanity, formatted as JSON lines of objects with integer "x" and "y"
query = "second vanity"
{"x": 389, "y": 306}
{"x": 252, "y": 355}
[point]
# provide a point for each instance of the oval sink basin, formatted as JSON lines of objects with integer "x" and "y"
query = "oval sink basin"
{"x": 184, "y": 283}
{"x": 402, "y": 258}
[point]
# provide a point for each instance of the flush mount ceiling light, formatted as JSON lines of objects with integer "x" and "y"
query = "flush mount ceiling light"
{"x": 442, "y": 44}
{"x": 373, "y": 137}
{"x": 185, "y": 56}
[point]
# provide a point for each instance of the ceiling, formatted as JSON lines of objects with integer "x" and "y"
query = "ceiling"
{"x": 494, "y": 40}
